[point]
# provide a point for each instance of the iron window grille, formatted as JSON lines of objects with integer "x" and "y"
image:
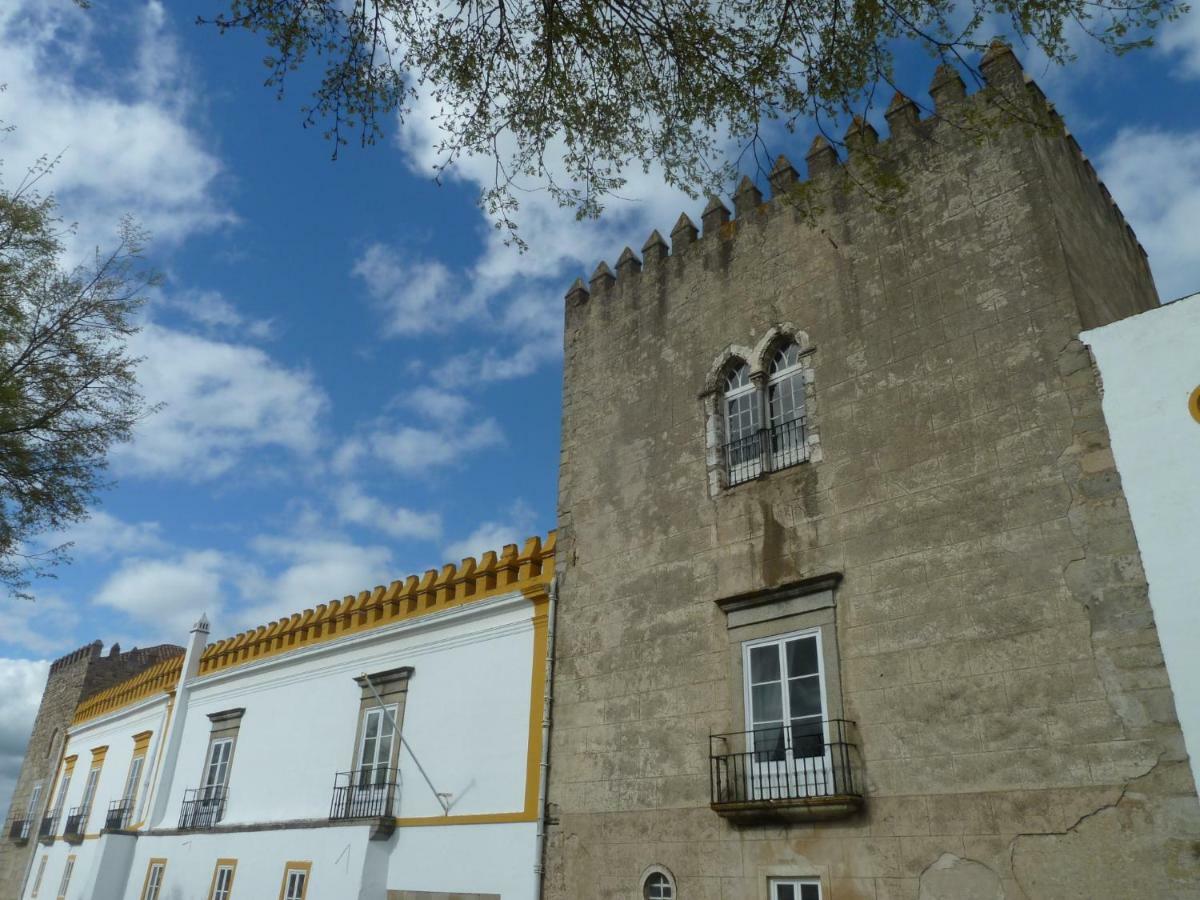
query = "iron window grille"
{"x": 202, "y": 807}
{"x": 769, "y": 449}
{"x": 119, "y": 814}
{"x": 49, "y": 826}
{"x": 793, "y": 761}
{"x": 371, "y": 791}
{"x": 19, "y": 830}
{"x": 76, "y": 817}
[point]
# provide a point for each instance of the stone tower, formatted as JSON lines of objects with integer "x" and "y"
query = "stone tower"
{"x": 72, "y": 678}
{"x": 850, "y": 603}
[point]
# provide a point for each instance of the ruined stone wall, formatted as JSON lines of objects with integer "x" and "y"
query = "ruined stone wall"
{"x": 997, "y": 650}
{"x": 72, "y": 678}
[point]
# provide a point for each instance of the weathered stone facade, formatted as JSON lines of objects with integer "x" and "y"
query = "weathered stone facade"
{"x": 72, "y": 678}
{"x": 991, "y": 632}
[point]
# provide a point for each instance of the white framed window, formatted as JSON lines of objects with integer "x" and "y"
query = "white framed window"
{"x": 31, "y": 811}
{"x": 785, "y": 716}
{"x": 66, "y": 877}
{"x": 216, "y": 770}
{"x": 785, "y": 406}
{"x": 63, "y": 787}
{"x": 658, "y": 886}
{"x": 795, "y": 889}
{"x": 295, "y": 881}
{"x": 222, "y": 882}
{"x": 89, "y": 796}
{"x": 743, "y": 423}
{"x": 41, "y": 873}
{"x": 156, "y": 872}
{"x": 132, "y": 779}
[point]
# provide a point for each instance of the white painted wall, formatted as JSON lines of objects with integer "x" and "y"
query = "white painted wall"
{"x": 1149, "y": 365}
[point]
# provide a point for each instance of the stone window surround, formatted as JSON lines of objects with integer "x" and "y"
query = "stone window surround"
{"x": 807, "y": 604}
{"x": 656, "y": 870}
{"x": 759, "y": 359}
{"x": 392, "y": 687}
{"x": 226, "y": 724}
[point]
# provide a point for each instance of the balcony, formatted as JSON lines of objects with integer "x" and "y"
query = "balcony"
{"x": 119, "y": 814}
{"x": 76, "y": 820}
{"x": 48, "y": 828}
{"x": 202, "y": 807}
{"x": 19, "y": 830}
{"x": 368, "y": 793}
{"x": 799, "y": 773}
{"x": 780, "y": 446}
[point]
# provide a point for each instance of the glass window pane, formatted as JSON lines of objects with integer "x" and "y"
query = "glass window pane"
{"x": 810, "y": 892}
{"x": 808, "y": 739}
{"x": 766, "y": 703}
{"x": 804, "y": 697}
{"x": 764, "y": 664}
{"x": 768, "y": 744}
{"x": 372, "y": 724}
{"x": 802, "y": 656}
{"x": 785, "y": 892}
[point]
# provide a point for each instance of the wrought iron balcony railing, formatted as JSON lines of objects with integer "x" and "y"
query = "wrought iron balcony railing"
{"x": 119, "y": 814}
{"x": 367, "y": 792}
{"x": 202, "y": 807}
{"x": 780, "y": 446}
{"x": 76, "y": 821}
{"x": 19, "y": 830}
{"x": 810, "y": 766}
{"x": 49, "y": 827}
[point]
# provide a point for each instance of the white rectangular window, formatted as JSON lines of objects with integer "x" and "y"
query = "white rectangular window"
{"x": 62, "y": 794}
{"x": 89, "y": 790}
{"x": 66, "y": 878}
{"x": 295, "y": 882}
{"x": 154, "y": 880}
{"x": 31, "y": 810}
{"x": 795, "y": 889}
{"x": 216, "y": 772}
{"x": 41, "y": 873}
{"x": 222, "y": 883}
{"x": 375, "y": 754}
{"x": 131, "y": 781}
{"x": 785, "y": 717}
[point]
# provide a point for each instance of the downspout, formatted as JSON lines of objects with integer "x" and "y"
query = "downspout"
{"x": 539, "y": 866}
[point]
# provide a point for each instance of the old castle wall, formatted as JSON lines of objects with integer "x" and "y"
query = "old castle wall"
{"x": 997, "y": 649}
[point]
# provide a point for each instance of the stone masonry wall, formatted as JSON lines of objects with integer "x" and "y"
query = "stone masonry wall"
{"x": 72, "y": 678}
{"x": 997, "y": 648}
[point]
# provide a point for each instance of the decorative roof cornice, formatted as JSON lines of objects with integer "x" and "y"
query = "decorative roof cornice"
{"x": 510, "y": 571}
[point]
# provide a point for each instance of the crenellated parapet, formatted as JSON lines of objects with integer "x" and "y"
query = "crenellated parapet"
{"x": 1007, "y": 90}
{"x": 160, "y": 678}
{"x": 513, "y": 569}
{"x": 88, "y": 651}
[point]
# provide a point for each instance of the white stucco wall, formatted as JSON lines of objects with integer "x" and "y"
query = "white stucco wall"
{"x": 1149, "y": 366}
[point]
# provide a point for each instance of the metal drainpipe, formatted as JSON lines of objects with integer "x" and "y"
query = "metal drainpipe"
{"x": 539, "y": 867}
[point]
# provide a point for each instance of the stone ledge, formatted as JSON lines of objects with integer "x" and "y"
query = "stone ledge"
{"x": 801, "y": 809}
{"x": 381, "y": 827}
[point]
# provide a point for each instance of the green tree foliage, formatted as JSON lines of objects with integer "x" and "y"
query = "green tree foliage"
{"x": 68, "y": 390}
{"x": 567, "y": 95}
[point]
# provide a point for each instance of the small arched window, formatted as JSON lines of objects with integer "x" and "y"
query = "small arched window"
{"x": 743, "y": 452}
{"x": 785, "y": 406}
{"x": 658, "y": 886}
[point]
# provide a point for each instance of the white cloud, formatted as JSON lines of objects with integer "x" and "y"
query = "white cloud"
{"x": 1182, "y": 39}
{"x": 437, "y": 404}
{"x": 216, "y": 315}
{"x": 102, "y": 536}
{"x": 358, "y": 508}
{"x": 45, "y": 625}
{"x": 125, "y": 141}
{"x": 414, "y": 297}
{"x": 412, "y": 450}
{"x": 21, "y": 684}
{"x": 222, "y": 401}
{"x": 1155, "y": 177}
{"x": 165, "y": 596}
{"x": 514, "y": 528}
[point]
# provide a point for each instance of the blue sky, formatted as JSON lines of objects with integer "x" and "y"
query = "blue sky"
{"x": 361, "y": 380}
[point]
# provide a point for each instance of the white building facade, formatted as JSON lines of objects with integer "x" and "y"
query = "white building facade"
{"x": 1150, "y": 372}
{"x": 270, "y": 765}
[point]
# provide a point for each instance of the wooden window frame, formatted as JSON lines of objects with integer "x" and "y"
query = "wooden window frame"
{"x": 291, "y": 866}
{"x": 154, "y": 861}
{"x": 231, "y": 865}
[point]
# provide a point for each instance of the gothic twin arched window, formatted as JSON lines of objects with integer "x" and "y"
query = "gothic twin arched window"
{"x": 764, "y": 421}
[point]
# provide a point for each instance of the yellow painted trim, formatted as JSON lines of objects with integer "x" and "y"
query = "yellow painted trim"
{"x": 513, "y": 569}
{"x": 154, "y": 861}
{"x": 1194, "y": 404}
{"x": 98, "y": 754}
{"x": 540, "y": 598}
{"x": 296, "y": 866}
{"x": 505, "y": 818}
{"x": 141, "y": 742}
{"x": 69, "y": 764}
{"x": 217, "y": 866}
{"x": 41, "y": 874}
{"x": 64, "y": 885}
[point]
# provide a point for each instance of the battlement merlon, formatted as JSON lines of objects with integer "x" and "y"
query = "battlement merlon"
{"x": 1007, "y": 89}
